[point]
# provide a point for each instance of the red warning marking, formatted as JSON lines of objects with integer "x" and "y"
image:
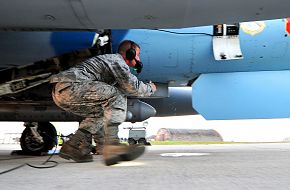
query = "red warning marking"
{"x": 288, "y": 26}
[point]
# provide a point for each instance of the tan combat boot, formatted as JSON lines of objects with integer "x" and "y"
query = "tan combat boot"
{"x": 78, "y": 147}
{"x": 99, "y": 141}
{"x": 98, "y": 149}
{"x": 115, "y": 152}
{"x": 120, "y": 152}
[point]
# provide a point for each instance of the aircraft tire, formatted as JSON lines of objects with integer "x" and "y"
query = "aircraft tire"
{"x": 30, "y": 146}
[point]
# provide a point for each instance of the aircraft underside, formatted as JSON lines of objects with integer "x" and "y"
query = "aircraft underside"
{"x": 243, "y": 75}
{"x": 43, "y": 15}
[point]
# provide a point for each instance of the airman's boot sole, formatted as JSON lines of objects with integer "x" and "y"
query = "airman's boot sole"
{"x": 86, "y": 158}
{"x": 113, "y": 156}
{"x": 68, "y": 152}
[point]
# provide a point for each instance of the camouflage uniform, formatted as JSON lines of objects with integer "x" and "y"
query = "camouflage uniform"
{"x": 96, "y": 89}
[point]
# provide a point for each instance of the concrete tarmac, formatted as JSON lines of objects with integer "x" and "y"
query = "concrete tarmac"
{"x": 201, "y": 167}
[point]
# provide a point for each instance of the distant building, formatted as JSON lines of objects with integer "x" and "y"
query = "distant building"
{"x": 287, "y": 139}
{"x": 198, "y": 135}
{"x": 151, "y": 138}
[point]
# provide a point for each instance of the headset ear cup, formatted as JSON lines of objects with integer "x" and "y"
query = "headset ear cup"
{"x": 130, "y": 54}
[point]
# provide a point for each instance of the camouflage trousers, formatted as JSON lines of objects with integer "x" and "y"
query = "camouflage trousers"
{"x": 103, "y": 106}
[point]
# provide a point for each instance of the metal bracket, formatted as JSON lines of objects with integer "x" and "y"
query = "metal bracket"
{"x": 23, "y": 84}
{"x": 226, "y": 42}
{"x": 33, "y": 127}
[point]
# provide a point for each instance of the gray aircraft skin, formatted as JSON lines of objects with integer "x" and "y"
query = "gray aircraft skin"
{"x": 125, "y": 14}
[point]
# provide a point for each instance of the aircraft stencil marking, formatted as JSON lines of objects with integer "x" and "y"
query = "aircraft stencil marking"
{"x": 253, "y": 28}
{"x": 288, "y": 26}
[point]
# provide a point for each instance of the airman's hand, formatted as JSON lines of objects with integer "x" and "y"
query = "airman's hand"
{"x": 153, "y": 86}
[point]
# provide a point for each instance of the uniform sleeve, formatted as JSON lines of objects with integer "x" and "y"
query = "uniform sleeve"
{"x": 129, "y": 83}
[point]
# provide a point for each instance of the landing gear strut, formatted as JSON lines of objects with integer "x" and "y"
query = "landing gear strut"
{"x": 38, "y": 137}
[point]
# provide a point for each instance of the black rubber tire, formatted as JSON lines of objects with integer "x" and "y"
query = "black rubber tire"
{"x": 142, "y": 141}
{"x": 148, "y": 144}
{"x": 31, "y": 146}
{"x": 131, "y": 141}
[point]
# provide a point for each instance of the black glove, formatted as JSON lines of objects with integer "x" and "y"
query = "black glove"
{"x": 138, "y": 67}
